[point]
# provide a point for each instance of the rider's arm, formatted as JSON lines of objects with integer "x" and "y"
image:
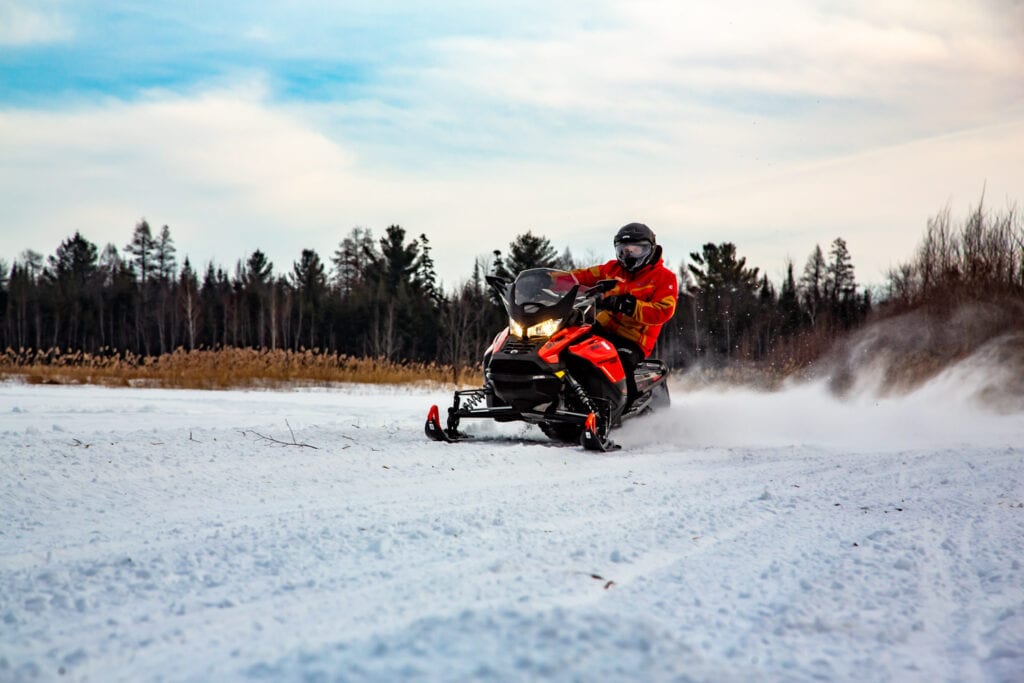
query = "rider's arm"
{"x": 662, "y": 305}
{"x": 588, "y": 277}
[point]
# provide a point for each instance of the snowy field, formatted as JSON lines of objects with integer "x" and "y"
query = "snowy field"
{"x": 157, "y": 535}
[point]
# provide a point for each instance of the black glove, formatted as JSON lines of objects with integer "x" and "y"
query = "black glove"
{"x": 620, "y": 303}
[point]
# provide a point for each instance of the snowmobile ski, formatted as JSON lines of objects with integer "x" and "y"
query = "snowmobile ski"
{"x": 433, "y": 427}
{"x": 591, "y": 438}
{"x": 436, "y": 432}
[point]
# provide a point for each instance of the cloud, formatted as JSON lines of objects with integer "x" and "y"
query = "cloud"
{"x": 22, "y": 26}
{"x": 221, "y": 167}
{"x": 774, "y": 126}
{"x": 653, "y": 58}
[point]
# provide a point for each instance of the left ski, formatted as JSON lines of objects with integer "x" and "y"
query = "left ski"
{"x": 592, "y": 440}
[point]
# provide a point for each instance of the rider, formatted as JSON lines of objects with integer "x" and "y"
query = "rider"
{"x": 632, "y": 313}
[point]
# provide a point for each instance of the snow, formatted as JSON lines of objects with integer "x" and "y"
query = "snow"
{"x": 153, "y": 534}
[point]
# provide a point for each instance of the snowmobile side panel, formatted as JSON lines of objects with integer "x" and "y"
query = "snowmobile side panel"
{"x": 554, "y": 346}
{"x": 600, "y": 352}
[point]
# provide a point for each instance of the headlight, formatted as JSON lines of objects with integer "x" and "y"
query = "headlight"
{"x": 515, "y": 328}
{"x": 544, "y": 329}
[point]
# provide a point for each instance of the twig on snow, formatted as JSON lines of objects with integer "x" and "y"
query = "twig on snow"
{"x": 293, "y": 442}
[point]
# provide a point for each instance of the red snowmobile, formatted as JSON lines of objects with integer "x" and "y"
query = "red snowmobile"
{"x": 549, "y": 368}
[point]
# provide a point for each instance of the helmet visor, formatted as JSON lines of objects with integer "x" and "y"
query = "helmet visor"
{"x": 633, "y": 252}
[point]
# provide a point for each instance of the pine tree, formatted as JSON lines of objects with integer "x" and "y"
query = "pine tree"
{"x": 72, "y": 277}
{"x": 400, "y": 259}
{"x": 498, "y": 267}
{"x": 425, "y": 276}
{"x": 565, "y": 261}
{"x": 210, "y": 313}
{"x": 257, "y": 280}
{"x": 726, "y": 294}
{"x": 310, "y": 283}
{"x": 839, "y": 280}
{"x": 812, "y": 284}
{"x": 164, "y": 255}
{"x": 189, "y": 302}
{"x": 789, "y": 303}
{"x": 141, "y": 251}
{"x": 24, "y": 300}
{"x": 531, "y": 251}
{"x": 354, "y": 256}
{"x": 840, "y": 285}
{"x": 165, "y": 264}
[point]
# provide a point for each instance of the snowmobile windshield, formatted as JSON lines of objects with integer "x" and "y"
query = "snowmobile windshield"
{"x": 543, "y": 286}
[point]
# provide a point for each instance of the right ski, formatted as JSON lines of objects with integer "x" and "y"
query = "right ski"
{"x": 433, "y": 428}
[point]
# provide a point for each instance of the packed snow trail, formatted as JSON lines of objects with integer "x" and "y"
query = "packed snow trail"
{"x": 160, "y": 535}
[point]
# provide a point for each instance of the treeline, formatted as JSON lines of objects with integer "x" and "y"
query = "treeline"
{"x": 379, "y": 297}
{"x": 376, "y": 298}
{"x": 733, "y": 311}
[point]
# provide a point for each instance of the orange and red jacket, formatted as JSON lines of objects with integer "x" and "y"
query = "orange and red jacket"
{"x": 655, "y": 289}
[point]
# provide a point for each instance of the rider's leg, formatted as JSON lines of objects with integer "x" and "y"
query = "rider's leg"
{"x": 630, "y": 355}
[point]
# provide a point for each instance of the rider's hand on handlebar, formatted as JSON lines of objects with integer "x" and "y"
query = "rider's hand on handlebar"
{"x": 618, "y": 303}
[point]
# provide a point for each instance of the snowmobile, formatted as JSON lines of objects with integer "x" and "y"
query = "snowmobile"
{"x": 549, "y": 368}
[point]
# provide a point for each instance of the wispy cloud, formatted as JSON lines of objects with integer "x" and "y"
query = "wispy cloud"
{"x": 23, "y": 24}
{"x": 260, "y": 124}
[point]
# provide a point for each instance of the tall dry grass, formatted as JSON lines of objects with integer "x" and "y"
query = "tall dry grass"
{"x": 220, "y": 369}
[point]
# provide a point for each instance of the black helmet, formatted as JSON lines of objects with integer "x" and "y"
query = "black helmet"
{"x": 634, "y": 246}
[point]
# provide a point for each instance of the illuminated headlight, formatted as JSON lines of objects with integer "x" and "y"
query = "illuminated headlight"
{"x": 515, "y": 328}
{"x": 544, "y": 329}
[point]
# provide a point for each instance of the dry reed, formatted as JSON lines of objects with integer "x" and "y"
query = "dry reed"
{"x": 220, "y": 368}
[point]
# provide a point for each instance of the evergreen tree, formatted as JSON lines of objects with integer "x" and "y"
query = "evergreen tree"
{"x": 531, "y": 251}
{"x": 355, "y": 255}
{"x": 117, "y": 287}
{"x": 5, "y": 275}
{"x": 258, "y": 278}
{"x": 165, "y": 269}
{"x": 72, "y": 277}
{"x": 310, "y": 282}
{"x": 141, "y": 251}
{"x": 498, "y": 267}
{"x": 789, "y": 303}
{"x": 565, "y": 261}
{"x": 765, "y": 322}
{"x": 189, "y": 303}
{"x": 399, "y": 260}
{"x": 839, "y": 280}
{"x": 164, "y": 258}
{"x": 812, "y": 284}
{"x": 425, "y": 278}
{"x": 726, "y": 294}
{"x": 21, "y": 291}
{"x": 840, "y": 285}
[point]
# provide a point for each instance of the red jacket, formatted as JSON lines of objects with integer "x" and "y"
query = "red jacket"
{"x": 655, "y": 289}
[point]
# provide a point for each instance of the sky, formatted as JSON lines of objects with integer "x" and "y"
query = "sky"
{"x": 282, "y": 126}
